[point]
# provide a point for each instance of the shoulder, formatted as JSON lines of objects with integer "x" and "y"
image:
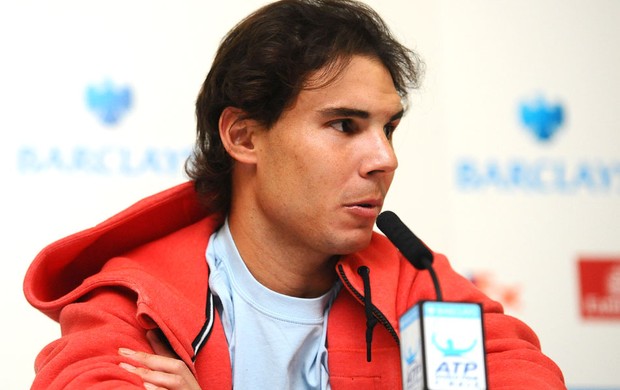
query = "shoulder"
{"x": 156, "y": 237}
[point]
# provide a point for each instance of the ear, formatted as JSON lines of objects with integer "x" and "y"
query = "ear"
{"x": 236, "y": 133}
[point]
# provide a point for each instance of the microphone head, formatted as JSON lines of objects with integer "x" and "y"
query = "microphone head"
{"x": 407, "y": 243}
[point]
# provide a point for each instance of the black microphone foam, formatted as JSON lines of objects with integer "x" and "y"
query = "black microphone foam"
{"x": 407, "y": 243}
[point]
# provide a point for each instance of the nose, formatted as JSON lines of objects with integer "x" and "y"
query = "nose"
{"x": 379, "y": 156}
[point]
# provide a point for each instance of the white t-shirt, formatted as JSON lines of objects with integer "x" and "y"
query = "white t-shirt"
{"x": 275, "y": 341}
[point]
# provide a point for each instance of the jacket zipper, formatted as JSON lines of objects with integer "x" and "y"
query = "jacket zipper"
{"x": 376, "y": 312}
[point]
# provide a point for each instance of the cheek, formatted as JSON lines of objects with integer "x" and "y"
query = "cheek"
{"x": 304, "y": 181}
{"x": 283, "y": 175}
{"x": 301, "y": 168}
{"x": 320, "y": 171}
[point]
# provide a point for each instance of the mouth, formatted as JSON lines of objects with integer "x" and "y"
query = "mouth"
{"x": 369, "y": 204}
{"x": 364, "y": 210}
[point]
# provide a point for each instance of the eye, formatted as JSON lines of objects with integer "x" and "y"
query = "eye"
{"x": 344, "y": 125}
{"x": 388, "y": 130}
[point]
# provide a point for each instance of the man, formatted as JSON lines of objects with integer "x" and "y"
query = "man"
{"x": 257, "y": 273}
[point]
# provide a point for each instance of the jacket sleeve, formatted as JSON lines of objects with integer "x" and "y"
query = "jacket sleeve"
{"x": 514, "y": 356}
{"x": 86, "y": 356}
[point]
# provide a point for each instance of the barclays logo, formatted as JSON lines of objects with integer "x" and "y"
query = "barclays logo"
{"x": 118, "y": 161}
{"x": 541, "y": 174}
{"x": 541, "y": 118}
{"x": 109, "y": 102}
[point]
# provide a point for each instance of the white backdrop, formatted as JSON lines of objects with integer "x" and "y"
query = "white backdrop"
{"x": 514, "y": 212}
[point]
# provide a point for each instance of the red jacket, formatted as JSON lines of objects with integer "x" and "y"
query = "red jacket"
{"x": 145, "y": 268}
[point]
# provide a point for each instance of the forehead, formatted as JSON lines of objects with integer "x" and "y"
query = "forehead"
{"x": 362, "y": 83}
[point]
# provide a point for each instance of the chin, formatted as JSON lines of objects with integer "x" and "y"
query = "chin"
{"x": 354, "y": 244}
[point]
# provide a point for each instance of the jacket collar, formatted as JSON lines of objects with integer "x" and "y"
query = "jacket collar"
{"x": 384, "y": 263}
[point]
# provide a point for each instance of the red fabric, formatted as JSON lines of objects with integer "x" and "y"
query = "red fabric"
{"x": 145, "y": 268}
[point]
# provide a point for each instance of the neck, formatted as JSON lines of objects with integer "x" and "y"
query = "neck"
{"x": 281, "y": 266}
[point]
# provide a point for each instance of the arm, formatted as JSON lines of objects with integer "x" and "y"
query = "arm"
{"x": 86, "y": 356}
{"x": 514, "y": 356}
{"x": 162, "y": 370}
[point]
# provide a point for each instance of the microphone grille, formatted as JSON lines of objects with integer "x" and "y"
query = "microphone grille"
{"x": 407, "y": 243}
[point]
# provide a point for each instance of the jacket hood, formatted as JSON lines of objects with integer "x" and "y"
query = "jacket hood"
{"x": 54, "y": 277}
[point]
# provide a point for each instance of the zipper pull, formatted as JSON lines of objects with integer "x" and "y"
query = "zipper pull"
{"x": 371, "y": 321}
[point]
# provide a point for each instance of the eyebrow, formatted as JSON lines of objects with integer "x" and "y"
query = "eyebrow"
{"x": 352, "y": 112}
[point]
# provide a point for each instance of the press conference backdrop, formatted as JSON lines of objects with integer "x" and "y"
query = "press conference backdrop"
{"x": 509, "y": 154}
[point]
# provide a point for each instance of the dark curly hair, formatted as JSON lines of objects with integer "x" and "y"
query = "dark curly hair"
{"x": 263, "y": 62}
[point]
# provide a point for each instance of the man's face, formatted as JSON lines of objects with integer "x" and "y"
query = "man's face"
{"x": 324, "y": 168}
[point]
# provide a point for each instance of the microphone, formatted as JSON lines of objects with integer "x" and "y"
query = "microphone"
{"x": 409, "y": 245}
{"x": 441, "y": 343}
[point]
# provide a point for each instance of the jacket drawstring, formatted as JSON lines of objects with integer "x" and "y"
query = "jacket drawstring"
{"x": 371, "y": 321}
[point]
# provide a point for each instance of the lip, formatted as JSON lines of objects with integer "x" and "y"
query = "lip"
{"x": 367, "y": 208}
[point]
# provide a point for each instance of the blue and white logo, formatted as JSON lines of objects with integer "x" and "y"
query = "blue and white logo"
{"x": 109, "y": 102}
{"x": 541, "y": 118}
{"x": 411, "y": 355}
{"x": 454, "y": 345}
{"x": 448, "y": 348}
{"x": 538, "y": 172}
{"x": 104, "y": 160}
